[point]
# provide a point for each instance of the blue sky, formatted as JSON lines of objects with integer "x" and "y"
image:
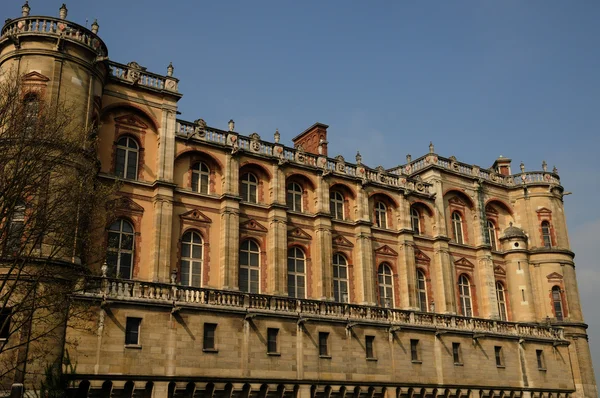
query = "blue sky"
{"x": 478, "y": 78}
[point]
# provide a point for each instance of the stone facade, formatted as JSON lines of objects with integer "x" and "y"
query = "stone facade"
{"x": 434, "y": 278}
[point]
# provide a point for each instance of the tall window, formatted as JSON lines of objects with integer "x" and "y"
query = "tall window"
{"x": 336, "y": 205}
{"x": 132, "y": 331}
{"x": 546, "y": 234}
{"x": 200, "y": 177}
{"x": 557, "y": 303}
{"x": 127, "y": 158}
{"x": 501, "y": 297}
{"x": 5, "y": 315}
{"x": 457, "y": 227}
{"x": 119, "y": 256}
{"x": 16, "y": 227}
{"x": 294, "y": 196}
{"x": 340, "y": 278}
{"x": 31, "y": 104}
{"x": 422, "y": 291}
{"x": 249, "y": 188}
{"x": 491, "y": 231}
{"x": 464, "y": 289}
{"x": 415, "y": 220}
{"x": 249, "y": 266}
{"x": 296, "y": 273}
{"x": 191, "y": 259}
{"x": 380, "y": 215}
{"x": 386, "y": 289}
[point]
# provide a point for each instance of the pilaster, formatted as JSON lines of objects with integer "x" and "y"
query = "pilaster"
{"x": 365, "y": 274}
{"x": 445, "y": 281}
{"x": 487, "y": 285}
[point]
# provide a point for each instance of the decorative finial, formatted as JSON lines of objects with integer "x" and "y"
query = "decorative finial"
{"x": 431, "y": 147}
{"x": 277, "y": 136}
{"x": 104, "y": 269}
{"x": 544, "y": 165}
{"x": 95, "y": 27}
{"x": 170, "y": 69}
{"x": 555, "y": 170}
{"x": 408, "y": 158}
{"x": 173, "y": 276}
{"x": 320, "y": 147}
{"x": 62, "y": 12}
{"x": 358, "y": 158}
{"x": 25, "y": 9}
{"x": 522, "y": 166}
{"x": 231, "y": 125}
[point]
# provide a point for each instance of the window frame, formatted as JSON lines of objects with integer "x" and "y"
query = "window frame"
{"x": 120, "y": 251}
{"x": 336, "y": 205}
{"x": 415, "y": 220}
{"x": 248, "y": 268}
{"x": 499, "y": 356}
{"x": 191, "y": 259}
{"x": 272, "y": 341}
{"x": 324, "y": 345}
{"x": 197, "y": 180}
{"x": 456, "y": 353}
{"x": 128, "y": 152}
{"x": 457, "y": 227}
{"x": 557, "y": 299}
{"x": 338, "y": 281}
{"x": 466, "y": 310}
{"x": 415, "y": 351}
{"x": 422, "y": 291}
{"x": 385, "y": 301}
{"x": 501, "y": 299}
{"x": 296, "y": 275}
{"x": 209, "y": 337}
{"x": 5, "y": 320}
{"x": 370, "y": 347}
{"x": 251, "y": 187}
{"x": 294, "y": 196}
{"x": 541, "y": 361}
{"x": 133, "y": 331}
{"x": 546, "y": 234}
{"x": 16, "y": 227}
{"x": 491, "y": 232}
{"x": 380, "y": 215}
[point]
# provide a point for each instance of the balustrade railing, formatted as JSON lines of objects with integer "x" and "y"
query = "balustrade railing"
{"x": 133, "y": 73}
{"x": 147, "y": 292}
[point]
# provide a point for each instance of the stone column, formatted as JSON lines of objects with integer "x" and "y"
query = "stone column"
{"x": 277, "y": 252}
{"x": 322, "y": 272}
{"x": 406, "y": 259}
{"x": 166, "y": 152}
{"x": 162, "y": 233}
{"x": 486, "y": 285}
{"x": 230, "y": 226}
{"x": 364, "y": 270}
{"x": 443, "y": 278}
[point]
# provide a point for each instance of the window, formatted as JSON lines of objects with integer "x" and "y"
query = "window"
{"x": 119, "y": 256}
{"x": 31, "y": 104}
{"x": 191, "y": 259}
{"x": 127, "y": 158}
{"x": 323, "y": 348}
{"x": 380, "y": 215}
{"x": 557, "y": 303}
{"x": 5, "y": 315}
{"x": 249, "y": 188}
{"x": 272, "y": 340}
{"x": 16, "y": 227}
{"x": 415, "y": 219}
{"x": 386, "y": 289}
{"x": 499, "y": 356}
{"x": 294, "y": 196}
{"x": 457, "y": 227}
{"x": 296, "y": 276}
{"x": 249, "y": 267}
{"x": 491, "y": 231}
{"x": 540, "y": 359}
{"x": 501, "y": 297}
{"x": 369, "y": 343}
{"x": 464, "y": 289}
{"x": 546, "y": 234}
{"x": 414, "y": 350}
{"x": 422, "y": 291}
{"x": 200, "y": 177}
{"x": 132, "y": 331}
{"x": 456, "y": 353}
{"x": 208, "y": 341}
{"x": 336, "y": 205}
{"x": 340, "y": 279}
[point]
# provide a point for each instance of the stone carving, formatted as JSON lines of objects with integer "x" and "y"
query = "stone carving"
{"x": 255, "y": 142}
{"x": 431, "y": 147}
{"x": 277, "y": 136}
{"x": 544, "y": 165}
{"x": 386, "y": 251}
{"x": 231, "y": 125}
{"x": 134, "y": 71}
{"x": 358, "y": 158}
{"x": 300, "y": 154}
{"x": 340, "y": 165}
{"x": 200, "y": 127}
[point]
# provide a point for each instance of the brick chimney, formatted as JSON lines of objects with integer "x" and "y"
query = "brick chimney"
{"x": 502, "y": 166}
{"x": 311, "y": 137}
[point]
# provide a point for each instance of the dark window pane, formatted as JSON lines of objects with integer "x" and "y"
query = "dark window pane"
{"x": 132, "y": 330}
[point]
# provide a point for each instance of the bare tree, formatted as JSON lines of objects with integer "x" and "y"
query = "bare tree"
{"x": 51, "y": 206}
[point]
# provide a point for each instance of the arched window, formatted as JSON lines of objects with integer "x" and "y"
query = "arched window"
{"x": 200, "y": 177}
{"x": 119, "y": 256}
{"x": 127, "y": 158}
{"x": 491, "y": 231}
{"x": 386, "y": 288}
{"x": 464, "y": 289}
{"x": 249, "y": 267}
{"x": 296, "y": 273}
{"x": 294, "y": 196}
{"x": 380, "y": 215}
{"x": 422, "y": 291}
{"x": 415, "y": 219}
{"x": 16, "y": 227}
{"x": 557, "y": 303}
{"x": 546, "y": 234}
{"x": 457, "y": 227}
{"x": 336, "y": 205}
{"x": 249, "y": 188}
{"x": 191, "y": 259}
{"x": 340, "y": 279}
{"x": 501, "y": 297}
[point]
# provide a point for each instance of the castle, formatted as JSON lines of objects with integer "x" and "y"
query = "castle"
{"x": 243, "y": 267}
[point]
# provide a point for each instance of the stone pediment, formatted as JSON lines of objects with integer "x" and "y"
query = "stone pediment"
{"x": 196, "y": 216}
{"x": 131, "y": 120}
{"x": 253, "y": 225}
{"x": 298, "y": 233}
{"x": 339, "y": 240}
{"x": 455, "y": 200}
{"x": 386, "y": 251}
{"x": 35, "y": 77}
{"x": 127, "y": 204}
{"x": 463, "y": 262}
{"x": 420, "y": 256}
{"x": 499, "y": 270}
{"x": 544, "y": 210}
{"x": 554, "y": 275}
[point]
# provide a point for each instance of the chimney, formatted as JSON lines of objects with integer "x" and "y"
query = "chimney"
{"x": 502, "y": 166}
{"x": 311, "y": 138}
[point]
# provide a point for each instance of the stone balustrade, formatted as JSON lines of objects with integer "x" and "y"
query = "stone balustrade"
{"x": 149, "y": 292}
{"x": 135, "y": 74}
{"x": 59, "y": 28}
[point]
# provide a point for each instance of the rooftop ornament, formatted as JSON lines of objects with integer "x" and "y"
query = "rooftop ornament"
{"x": 522, "y": 166}
{"x": 95, "y": 27}
{"x": 277, "y": 136}
{"x": 62, "y": 12}
{"x": 544, "y": 165}
{"x": 231, "y": 125}
{"x": 25, "y": 9}
{"x": 358, "y": 158}
{"x": 408, "y": 158}
{"x": 555, "y": 170}
{"x": 170, "y": 69}
{"x": 431, "y": 147}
